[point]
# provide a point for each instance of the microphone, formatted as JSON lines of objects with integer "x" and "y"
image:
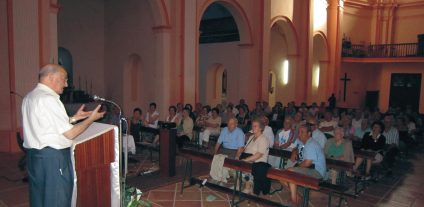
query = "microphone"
{"x": 98, "y": 98}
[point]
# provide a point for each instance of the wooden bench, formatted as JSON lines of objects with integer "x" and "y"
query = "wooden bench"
{"x": 149, "y": 146}
{"x": 241, "y": 166}
{"x": 325, "y": 187}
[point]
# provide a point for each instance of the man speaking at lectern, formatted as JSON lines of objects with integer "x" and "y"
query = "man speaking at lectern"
{"x": 48, "y": 134}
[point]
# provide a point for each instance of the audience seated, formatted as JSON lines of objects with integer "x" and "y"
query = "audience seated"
{"x": 267, "y": 132}
{"x": 372, "y": 141}
{"x": 152, "y": 116}
{"x": 360, "y": 132}
{"x": 307, "y": 159}
{"x": 212, "y": 126}
{"x": 357, "y": 120}
{"x": 202, "y": 117}
{"x": 338, "y": 148}
{"x": 328, "y": 124}
{"x": 243, "y": 119}
{"x": 346, "y": 124}
{"x": 136, "y": 121}
{"x": 231, "y": 140}
{"x": 185, "y": 128}
{"x": 284, "y": 139}
{"x": 392, "y": 142}
{"x": 317, "y": 135}
{"x": 173, "y": 116}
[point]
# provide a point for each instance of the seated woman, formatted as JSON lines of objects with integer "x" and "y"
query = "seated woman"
{"x": 136, "y": 122}
{"x": 185, "y": 128}
{"x": 348, "y": 129}
{"x": 338, "y": 148}
{"x": 212, "y": 126}
{"x": 202, "y": 117}
{"x": 373, "y": 141}
{"x": 173, "y": 116}
{"x": 256, "y": 151}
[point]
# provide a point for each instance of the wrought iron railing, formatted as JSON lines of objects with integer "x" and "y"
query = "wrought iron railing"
{"x": 383, "y": 50}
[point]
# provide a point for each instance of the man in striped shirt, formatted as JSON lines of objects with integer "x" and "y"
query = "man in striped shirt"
{"x": 392, "y": 142}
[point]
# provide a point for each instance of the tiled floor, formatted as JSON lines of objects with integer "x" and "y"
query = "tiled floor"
{"x": 404, "y": 188}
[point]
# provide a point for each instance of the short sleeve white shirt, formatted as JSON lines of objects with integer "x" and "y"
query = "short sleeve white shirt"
{"x": 44, "y": 119}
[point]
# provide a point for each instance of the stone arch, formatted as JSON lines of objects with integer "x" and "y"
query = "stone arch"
{"x": 239, "y": 15}
{"x": 160, "y": 13}
{"x": 318, "y": 71}
{"x": 290, "y": 32}
{"x": 214, "y": 83}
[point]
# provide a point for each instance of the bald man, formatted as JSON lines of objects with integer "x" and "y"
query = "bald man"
{"x": 48, "y": 135}
{"x": 231, "y": 139}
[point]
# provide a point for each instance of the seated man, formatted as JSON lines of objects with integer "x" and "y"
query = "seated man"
{"x": 231, "y": 139}
{"x": 212, "y": 127}
{"x": 284, "y": 139}
{"x": 317, "y": 135}
{"x": 309, "y": 159}
{"x": 328, "y": 124}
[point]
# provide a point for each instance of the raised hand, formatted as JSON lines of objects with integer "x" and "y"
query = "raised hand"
{"x": 95, "y": 114}
{"x": 81, "y": 114}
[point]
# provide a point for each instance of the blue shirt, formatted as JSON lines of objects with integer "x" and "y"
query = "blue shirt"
{"x": 313, "y": 151}
{"x": 231, "y": 140}
{"x": 320, "y": 137}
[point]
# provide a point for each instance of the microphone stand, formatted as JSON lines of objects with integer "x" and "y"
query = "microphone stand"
{"x": 122, "y": 175}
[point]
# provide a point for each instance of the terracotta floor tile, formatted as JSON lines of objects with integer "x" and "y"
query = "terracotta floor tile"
{"x": 161, "y": 195}
{"x": 189, "y": 196}
{"x": 162, "y": 203}
{"x": 216, "y": 204}
{"x": 188, "y": 204}
{"x": 219, "y": 196}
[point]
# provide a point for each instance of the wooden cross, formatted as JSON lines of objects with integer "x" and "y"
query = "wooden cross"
{"x": 345, "y": 79}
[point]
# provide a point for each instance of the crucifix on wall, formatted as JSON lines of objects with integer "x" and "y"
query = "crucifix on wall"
{"x": 345, "y": 79}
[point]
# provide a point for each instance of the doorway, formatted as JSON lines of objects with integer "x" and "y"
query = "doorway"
{"x": 405, "y": 90}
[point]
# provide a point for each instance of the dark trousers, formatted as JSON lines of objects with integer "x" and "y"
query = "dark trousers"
{"x": 51, "y": 179}
{"x": 181, "y": 140}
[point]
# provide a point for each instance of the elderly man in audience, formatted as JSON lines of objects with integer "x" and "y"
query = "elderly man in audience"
{"x": 231, "y": 140}
{"x": 317, "y": 135}
{"x": 392, "y": 142}
{"x": 267, "y": 132}
{"x": 212, "y": 127}
{"x": 328, "y": 124}
{"x": 136, "y": 121}
{"x": 185, "y": 128}
{"x": 284, "y": 139}
{"x": 373, "y": 141}
{"x": 308, "y": 159}
{"x": 346, "y": 124}
{"x": 338, "y": 148}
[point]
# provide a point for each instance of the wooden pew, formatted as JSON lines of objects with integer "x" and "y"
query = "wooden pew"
{"x": 364, "y": 154}
{"x": 325, "y": 187}
{"x": 241, "y": 166}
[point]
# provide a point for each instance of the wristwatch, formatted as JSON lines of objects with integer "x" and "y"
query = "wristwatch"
{"x": 72, "y": 120}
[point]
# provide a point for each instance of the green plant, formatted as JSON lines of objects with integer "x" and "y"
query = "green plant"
{"x": 133, "y": 198}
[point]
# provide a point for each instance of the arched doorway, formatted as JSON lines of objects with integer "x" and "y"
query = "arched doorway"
{"x": 318, "y": 82}
{"x": 223, "y": 28}
{"x": 216, "y": 84}
{"x": 282, "y": 61}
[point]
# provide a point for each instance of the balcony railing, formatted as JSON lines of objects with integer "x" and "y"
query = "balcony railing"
{"x": 383, "y": 50}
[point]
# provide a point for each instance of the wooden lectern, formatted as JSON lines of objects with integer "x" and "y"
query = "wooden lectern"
{"x": 167, "y": 151}
{"x": 94, "y": 154}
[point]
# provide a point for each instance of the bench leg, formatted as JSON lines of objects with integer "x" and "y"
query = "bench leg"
{"x": 329, "y": 200}
{"x": 305, "y": 202}
{"x": 187, "y": 173}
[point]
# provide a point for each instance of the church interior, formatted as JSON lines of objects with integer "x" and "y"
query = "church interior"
{"x": 278, "y": 60}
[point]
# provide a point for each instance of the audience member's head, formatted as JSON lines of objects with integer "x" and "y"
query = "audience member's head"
{"x": 288, "y": 123}
{"x": 338, "y": 133}
{"x": 305, "y": 132}
{"x": 364, "y": 124}
{"x": 189, "y": 106}
{"x": 298, "y": 117}
{"x": 180, "y": 107}
{"x": 215, "y": 112}
{"x": 264, "y": 120}
{"x": 232, "y": 124}
{"x": 205, "y": 110}
{"x": 377, "y": 127}
{"x": 137, "y": 113}
{"x": 186, "y": 112}
{"x": 257, "y": 126}
{"x": 328, "y": 116}
{"x": 152, "y": 107}
{"x": 388, "y": 121}
{"x": 172, "y": 110}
